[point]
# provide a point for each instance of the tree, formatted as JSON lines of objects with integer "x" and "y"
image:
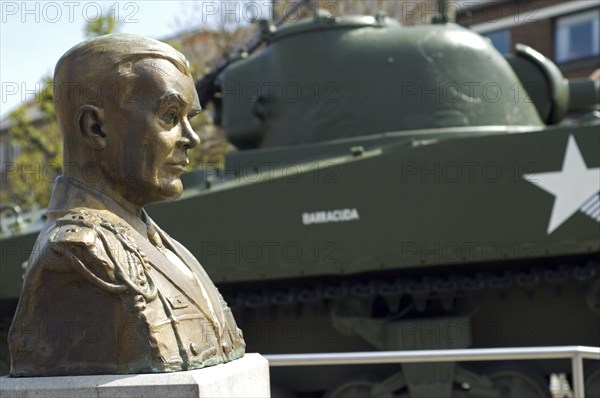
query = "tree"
{"x": 31, "y": 174}
{"x": 101, "y": 26}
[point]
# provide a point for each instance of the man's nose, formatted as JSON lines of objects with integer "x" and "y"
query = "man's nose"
{"x": 189, "y": 138}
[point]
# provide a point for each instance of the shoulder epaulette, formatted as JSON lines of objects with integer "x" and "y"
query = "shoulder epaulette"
{"x": 77, "y": 226}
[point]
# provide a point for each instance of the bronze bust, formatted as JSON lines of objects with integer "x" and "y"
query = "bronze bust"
{"x": 106, "y": 290}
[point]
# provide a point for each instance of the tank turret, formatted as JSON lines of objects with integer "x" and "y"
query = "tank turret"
{"x": 359, "y": 75}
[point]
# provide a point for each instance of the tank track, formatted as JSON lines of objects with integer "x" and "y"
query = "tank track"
{"x": 420, "y": 289}
{"x": 418, "y": 294}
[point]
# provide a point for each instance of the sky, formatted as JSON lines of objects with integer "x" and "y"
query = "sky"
{"x": 34, "y": 34}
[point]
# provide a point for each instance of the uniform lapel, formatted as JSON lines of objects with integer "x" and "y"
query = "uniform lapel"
{"x": 168, "y": 270}
{"x": 194, "y": 265}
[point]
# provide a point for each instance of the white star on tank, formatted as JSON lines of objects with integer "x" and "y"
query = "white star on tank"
{"x": 574, "y": 187}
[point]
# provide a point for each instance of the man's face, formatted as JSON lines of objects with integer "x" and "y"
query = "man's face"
{"x": 148, "y": 134}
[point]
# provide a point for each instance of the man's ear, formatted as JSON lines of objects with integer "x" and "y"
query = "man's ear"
{"x": 90, "y": 120}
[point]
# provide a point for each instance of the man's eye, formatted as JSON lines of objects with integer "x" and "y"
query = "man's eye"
{"x": 170, "y": 117}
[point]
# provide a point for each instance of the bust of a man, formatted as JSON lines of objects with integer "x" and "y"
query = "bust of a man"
{"x": 106, "y": 290}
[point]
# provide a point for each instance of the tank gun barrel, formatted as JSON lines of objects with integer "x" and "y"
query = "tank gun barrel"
{"x": 583, "y": 93}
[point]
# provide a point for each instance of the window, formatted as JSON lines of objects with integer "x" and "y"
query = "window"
{"x": 500, "y": 39}
{"x": 578, "y": 36}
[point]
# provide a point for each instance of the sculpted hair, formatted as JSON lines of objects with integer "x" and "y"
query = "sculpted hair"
{"x": 97, "y": 70}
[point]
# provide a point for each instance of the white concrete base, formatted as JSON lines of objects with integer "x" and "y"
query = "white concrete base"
{"x": 244, "y": 377}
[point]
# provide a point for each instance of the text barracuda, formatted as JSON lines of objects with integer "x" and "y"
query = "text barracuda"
{"x": 329, "y": 216}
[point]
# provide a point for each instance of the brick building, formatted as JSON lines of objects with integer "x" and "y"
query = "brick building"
{"x": 566, "y": 31}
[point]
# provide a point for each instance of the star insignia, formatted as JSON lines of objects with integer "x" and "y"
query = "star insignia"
{"x": 575, "y": 187}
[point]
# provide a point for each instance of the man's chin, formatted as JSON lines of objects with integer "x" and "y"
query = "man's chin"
{"x": 161, "y": 191}
{"x": 172, "y": 190}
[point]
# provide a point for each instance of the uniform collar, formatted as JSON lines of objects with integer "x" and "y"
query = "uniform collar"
{"x": 69, "y": 193}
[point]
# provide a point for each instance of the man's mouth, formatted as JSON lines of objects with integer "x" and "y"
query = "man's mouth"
{"x": 179, "y": 165}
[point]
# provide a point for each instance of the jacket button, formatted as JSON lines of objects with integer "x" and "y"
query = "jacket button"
{"x": 194, "y": 348}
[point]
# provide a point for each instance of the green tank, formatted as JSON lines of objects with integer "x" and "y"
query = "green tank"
{"x": 396, "y": 187}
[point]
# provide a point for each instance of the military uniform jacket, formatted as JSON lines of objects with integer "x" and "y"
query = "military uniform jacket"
{"x": 100, "y": 297}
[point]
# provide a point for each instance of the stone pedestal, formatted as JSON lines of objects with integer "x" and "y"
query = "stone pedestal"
{"x": 244, "y": 377}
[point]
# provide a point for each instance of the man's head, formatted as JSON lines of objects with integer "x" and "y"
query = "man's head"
{"x": 123, "y": 103}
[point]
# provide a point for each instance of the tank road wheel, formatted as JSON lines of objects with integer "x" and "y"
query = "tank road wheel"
{"x": 513, "y": 380}
{"x": 358, "y": 388}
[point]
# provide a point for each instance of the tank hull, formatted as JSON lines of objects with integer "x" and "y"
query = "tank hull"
{"x": 399, "y": 206}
